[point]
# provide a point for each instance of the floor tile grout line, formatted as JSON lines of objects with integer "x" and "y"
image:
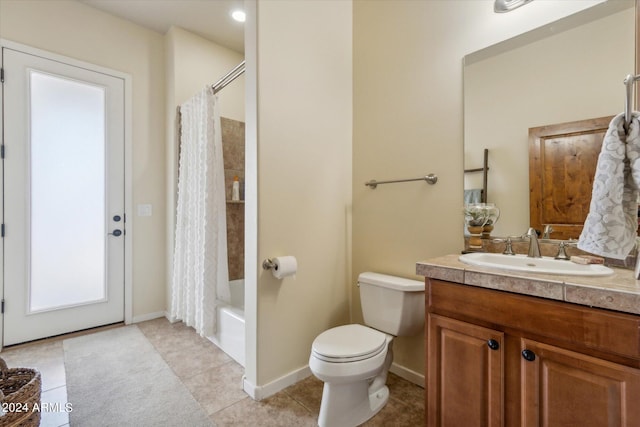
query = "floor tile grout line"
{"x": 200, "y": 373}
{"x": 54, "y": 388}
{"x": 309, "y": 410}
{"x": 229, "y": 406}
{"x": 182, "y": 380}
{"x": 160, "y": 353}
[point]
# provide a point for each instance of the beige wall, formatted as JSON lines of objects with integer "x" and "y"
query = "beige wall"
{"x": 72, "y": 29}
{"x": 304, "y": 176}
{"x": 192, "y": 63}
{"x": 408, "y": 121}
{"x": 197, "y": 62}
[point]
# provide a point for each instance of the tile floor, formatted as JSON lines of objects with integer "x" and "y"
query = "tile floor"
{"x": 214, "y": 380}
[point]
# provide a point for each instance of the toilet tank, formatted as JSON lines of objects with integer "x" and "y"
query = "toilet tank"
{"x": 391, "y": 304}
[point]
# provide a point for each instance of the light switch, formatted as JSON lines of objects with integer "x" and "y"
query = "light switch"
{"x": 145, "y": 210}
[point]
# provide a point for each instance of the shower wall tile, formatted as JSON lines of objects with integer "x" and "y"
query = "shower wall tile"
{"x": 233, "y": 143}
{"x": 235, "y": 240}
{"x": 233, "y": 153}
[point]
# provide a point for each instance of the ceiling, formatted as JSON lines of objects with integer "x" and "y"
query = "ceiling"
{"x": 210, "y": 19}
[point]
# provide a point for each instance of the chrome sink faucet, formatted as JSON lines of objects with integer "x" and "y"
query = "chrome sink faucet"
{"x": 534, "y": 246}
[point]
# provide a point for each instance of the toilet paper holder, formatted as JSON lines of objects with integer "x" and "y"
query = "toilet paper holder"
{"x": 267, "y": 264}
{"x": 281, "y": 266}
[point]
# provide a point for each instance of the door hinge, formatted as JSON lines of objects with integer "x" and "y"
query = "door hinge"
{"x": 2, "y": 230}
{"x": 2, "y": 151}
{"x": 1, "y": 75}
{"x": 2, "y": 306}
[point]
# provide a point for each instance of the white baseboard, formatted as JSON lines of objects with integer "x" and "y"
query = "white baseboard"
{"x": 408, "y": 374}
{"x": 249, "y": 388}
{"x": 149, "y": 316}
{"x": 262, "y": 392}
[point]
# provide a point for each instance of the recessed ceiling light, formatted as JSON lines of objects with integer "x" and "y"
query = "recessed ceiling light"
{"x": 239, "y": 15}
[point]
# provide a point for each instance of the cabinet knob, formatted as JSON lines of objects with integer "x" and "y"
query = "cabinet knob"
{"x": 493, "y": 344}
{"x": 528, "y": 355}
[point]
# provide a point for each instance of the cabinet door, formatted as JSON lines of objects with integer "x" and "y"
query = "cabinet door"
{"x": 464, "y": 375}
{"x": 564, "y": 388}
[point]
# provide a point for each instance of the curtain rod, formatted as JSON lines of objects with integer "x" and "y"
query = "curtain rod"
{"x": 228, "y": 78}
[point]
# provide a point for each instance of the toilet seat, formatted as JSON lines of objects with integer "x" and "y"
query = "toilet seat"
{"x": 348, "y": 343}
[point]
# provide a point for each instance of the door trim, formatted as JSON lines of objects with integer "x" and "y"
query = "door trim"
{"x": 128, "y": 164}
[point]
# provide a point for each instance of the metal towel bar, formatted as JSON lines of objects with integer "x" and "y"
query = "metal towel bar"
{"x": 431, "y": 179}
{"x": 629, "y": 82}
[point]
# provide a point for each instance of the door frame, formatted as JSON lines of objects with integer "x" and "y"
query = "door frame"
{"x": 128, "y": 166}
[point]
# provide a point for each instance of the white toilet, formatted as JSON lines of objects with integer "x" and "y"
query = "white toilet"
{"x": 353, "y": 360}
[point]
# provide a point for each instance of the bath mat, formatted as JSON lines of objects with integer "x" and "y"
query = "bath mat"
{"x": 117, "y": 378}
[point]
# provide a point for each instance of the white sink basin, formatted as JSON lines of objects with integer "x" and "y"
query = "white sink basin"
{"x": 546, "y": 265}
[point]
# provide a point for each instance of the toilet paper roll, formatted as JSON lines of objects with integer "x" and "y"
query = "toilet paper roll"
{"x": 284, "y": 266}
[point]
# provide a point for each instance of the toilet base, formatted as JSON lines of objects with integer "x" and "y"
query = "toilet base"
{"x": 349, "y": 405}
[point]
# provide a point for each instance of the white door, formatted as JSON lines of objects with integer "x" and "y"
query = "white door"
{"x": 64, "y": 221}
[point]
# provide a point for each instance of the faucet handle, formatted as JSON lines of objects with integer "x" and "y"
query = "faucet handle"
{"x": 546, "y": 233}
{"x": 508, "y": 250}
{"x": 562, "y": 254}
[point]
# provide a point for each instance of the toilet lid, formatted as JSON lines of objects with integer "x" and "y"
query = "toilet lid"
{"x": 348, "y": 343}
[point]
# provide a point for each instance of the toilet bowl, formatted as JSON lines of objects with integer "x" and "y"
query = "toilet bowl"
{"x": 353, "y": 360}
{"x": 347, "y": 358}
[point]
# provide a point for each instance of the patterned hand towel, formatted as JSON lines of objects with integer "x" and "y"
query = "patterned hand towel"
{"x": 610, "y": 227}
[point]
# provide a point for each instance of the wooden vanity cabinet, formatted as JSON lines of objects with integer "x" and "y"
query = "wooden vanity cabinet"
{"x": 465, "y": 373}
{"x": 502, "y": 359}
{"x": 564, "y": 388}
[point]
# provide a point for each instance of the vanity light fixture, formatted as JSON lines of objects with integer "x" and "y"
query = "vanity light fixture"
{"x": 501, "y": 6}
{"x": 239, "y": 15}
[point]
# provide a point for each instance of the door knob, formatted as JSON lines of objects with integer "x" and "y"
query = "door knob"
{"x": 116, "y": 233}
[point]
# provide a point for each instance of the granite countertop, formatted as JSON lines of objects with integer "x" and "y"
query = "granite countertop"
{"x": 619, "y": 291}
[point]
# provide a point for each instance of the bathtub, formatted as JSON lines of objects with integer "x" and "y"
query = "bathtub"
{"x": 229, "y": 334}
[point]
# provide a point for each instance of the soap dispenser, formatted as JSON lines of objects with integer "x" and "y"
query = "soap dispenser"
{"x": 235, "y": 189}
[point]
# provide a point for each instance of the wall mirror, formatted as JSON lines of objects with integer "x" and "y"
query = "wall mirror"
{"x": 570, "y": 70}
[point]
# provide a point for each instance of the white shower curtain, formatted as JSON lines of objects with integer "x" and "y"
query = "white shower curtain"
{"x": 200, "y": 273}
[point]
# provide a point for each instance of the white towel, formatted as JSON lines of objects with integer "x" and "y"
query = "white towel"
{"x": 472, "y": 196}
{"x": 610, "y": 229}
